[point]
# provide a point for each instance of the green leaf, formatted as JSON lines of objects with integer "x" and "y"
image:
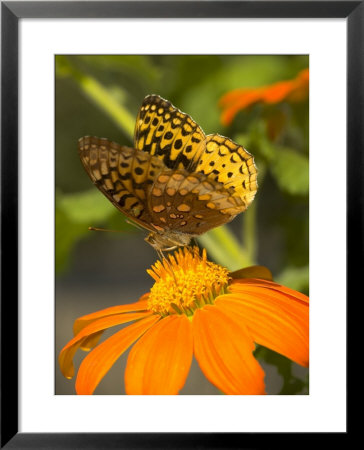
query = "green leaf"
{"x": 291, "y": 171}
{"x": 67, "y": 234}
{"x": 101, "y": 95}
{"x": 75, "y": 213}
{"x": 88, "y": 207}
{"x": 256, "y": 142}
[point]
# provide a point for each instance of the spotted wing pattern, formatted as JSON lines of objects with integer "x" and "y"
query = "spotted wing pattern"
{"x": 122, "y": 174}
{"x": 191, "y": 203}
{"x": 176, "y": 182}
{"x": 168, "y": 133}
{"x": 229, "y": 163}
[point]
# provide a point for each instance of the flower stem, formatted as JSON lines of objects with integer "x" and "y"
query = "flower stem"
{"x": 101, "y": 96}
{"x": 105, "y": 101}
{"x": 249, "y": 231}
{"x": 225, "y": 248}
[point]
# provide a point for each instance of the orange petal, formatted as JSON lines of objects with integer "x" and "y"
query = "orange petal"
{"x": 160, "y": 361}
{"x": 91, "y": 341}
{"x": 229, "y": 97}
{"x": 89, "y": 336}
{"x": 277, "y": 92}
{"x": 82, "y": 321}
{"x": 274, "y": 319}
{"x": 223, "y": 349}
{"x": 250, "y": 284}
{"x": 260, "y": 272}
{"x": 295, "y": 89}
{"x": 232, "y": 96}
{"x": 301, "y": 87}
{"x": 248, "y": 98}
{"x": 98, "y": 362}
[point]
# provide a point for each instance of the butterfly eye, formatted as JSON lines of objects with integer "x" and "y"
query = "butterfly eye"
{"x": 150, "y": 239}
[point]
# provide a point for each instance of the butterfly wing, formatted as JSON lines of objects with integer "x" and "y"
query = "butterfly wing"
{"x": 122, "y": 174}
{"x": 166, "y": 132}
{"x": 191, "y": 203}
{"x": 230, "y": 164}
{"x": 176, "y": 181}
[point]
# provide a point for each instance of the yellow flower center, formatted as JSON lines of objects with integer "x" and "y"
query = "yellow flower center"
{"x": 185, "y": 281}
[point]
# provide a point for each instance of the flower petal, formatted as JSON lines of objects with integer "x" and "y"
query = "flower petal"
{"x": 239, "y": 99}
{"x": 160, "y": 361}
{"x": 295, "y": 89}
{"x": 251, "y": 283}
{"x": 89, "y": 336}
{"x": 98, "y": 362}
{"x": 275, "y": 319}
{"x": 260, "y": 272}
{"x": 223, "y": 349}
{"x": 82, "y": 321}
{"x": 91, "y": 341}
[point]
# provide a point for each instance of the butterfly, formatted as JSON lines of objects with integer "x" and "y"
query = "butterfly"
{"x": 175, "y": 182}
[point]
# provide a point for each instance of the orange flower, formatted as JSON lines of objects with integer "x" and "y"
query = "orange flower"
{"x": 291, "y": 90}
{"x": 195, "y": 308}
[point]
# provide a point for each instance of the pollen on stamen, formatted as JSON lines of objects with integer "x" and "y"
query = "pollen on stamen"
{"x": 184, "y": 282}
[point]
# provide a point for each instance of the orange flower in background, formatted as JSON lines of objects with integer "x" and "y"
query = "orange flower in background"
{"x": 291, "y": 90}
{"x": 195, "y": 308}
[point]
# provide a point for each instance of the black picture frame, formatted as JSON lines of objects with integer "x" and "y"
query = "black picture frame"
{"x": 11, "y": 12}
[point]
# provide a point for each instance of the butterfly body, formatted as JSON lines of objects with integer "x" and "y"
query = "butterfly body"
{"x": 176, "y": 182}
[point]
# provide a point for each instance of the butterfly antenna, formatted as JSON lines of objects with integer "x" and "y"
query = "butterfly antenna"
{"x": 105, "y": 229}
{"x": 134, "y": 224}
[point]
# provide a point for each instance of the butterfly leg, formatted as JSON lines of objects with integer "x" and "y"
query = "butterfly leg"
{"x": 160, "y": 254}
{"x": 194, "y": 242}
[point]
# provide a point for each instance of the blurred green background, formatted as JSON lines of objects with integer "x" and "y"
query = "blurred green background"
{"x": 100, "y": 96}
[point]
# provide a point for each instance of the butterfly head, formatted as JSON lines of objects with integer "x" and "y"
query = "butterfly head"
{"x": 168, "y": 240}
